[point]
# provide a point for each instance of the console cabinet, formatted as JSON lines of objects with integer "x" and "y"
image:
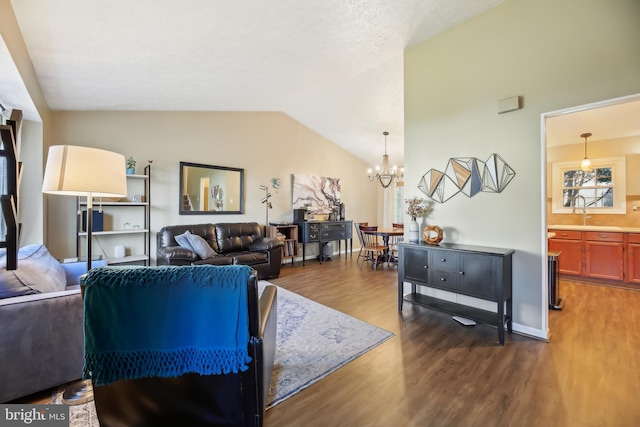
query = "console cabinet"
{"x": 475, "y": 271}
{"x": 324, "y": 231}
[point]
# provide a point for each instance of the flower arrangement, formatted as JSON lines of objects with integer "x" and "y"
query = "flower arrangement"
{"x": 416, "y": 207}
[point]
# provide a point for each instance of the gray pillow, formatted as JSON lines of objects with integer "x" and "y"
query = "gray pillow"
{"x": 38, "y": 272}
{"x": 183, "y": 241}
{"x": 200, "y": 246}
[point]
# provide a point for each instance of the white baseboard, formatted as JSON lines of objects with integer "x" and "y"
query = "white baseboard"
{"x": 530, "y": 332}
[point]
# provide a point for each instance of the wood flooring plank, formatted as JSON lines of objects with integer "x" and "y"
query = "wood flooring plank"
{"x": 435, "y": 372}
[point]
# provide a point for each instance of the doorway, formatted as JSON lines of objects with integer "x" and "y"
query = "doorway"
{"x": 613, "y": 122}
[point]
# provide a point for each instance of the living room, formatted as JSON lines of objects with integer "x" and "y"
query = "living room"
{"x": 555, "y": 56}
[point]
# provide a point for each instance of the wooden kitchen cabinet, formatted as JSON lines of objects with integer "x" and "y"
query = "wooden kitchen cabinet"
{"x": 633, "y": 259}
{"x": 569, "y": 243}
{"x": 604, "y": 255}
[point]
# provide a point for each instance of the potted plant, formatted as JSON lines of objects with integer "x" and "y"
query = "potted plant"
{"x": 131, "y": 165}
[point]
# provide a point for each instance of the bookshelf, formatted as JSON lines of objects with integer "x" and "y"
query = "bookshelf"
{"x": 288, "y": 233}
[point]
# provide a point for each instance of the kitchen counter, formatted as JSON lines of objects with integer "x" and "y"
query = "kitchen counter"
{"x": 609, "y": 228}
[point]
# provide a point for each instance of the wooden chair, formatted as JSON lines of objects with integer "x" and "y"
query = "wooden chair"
{"x": 393, "y": 244}
{"x": 359, "y": 233}
{"x": 373, "y": 249}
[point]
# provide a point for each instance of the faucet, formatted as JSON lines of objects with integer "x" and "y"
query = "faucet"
{"x": 584, "y": 208}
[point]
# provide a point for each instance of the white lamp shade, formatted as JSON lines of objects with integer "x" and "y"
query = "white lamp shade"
{"x": 77, "y": 171}
{"x": 585, "y": 165}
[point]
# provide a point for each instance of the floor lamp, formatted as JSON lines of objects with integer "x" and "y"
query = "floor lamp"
{"x": 84, "y": 172}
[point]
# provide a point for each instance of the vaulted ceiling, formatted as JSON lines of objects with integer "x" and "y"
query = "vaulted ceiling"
{"x": 334, "y": 65}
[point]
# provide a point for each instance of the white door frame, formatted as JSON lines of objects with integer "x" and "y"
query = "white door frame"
{"x": 543, "y": 144}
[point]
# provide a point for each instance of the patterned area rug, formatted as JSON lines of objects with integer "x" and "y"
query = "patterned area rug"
{"x": 312, "y": 341}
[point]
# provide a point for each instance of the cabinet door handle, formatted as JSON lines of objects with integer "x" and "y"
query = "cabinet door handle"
{"x": 426, "y": 266}
{"x": 442, "y": 260}
{"x": 461, "y": 273}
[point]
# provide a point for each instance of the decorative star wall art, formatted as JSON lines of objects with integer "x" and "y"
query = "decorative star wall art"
{"x": 467, "y": 175}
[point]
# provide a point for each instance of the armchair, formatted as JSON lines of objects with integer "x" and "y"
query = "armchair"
{"x": 203, "y": 320}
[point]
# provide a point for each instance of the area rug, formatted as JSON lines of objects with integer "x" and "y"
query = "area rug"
{"x": 312, "y": 341}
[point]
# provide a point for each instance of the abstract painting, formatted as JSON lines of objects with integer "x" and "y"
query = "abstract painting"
{"x": 319, "y": 192}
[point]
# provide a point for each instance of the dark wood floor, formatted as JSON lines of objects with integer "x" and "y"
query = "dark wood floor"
{"x": 435, "y": 372}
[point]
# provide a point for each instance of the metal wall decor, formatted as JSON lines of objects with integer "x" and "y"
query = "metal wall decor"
{"x": 467, "y": 175}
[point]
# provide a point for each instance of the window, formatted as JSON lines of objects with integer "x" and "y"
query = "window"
{"x": 601, "y": 190}
{"x": 399, "y": 202}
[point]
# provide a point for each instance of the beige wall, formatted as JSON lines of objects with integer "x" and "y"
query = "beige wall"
{"x": 629, "y": 148}
{"x": 266, "y": 145}
{"x": 34, "y": 134}
{"x": 554, "y": 54}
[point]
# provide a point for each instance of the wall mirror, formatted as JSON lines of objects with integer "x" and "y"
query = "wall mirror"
{"x": 207, "y": 189}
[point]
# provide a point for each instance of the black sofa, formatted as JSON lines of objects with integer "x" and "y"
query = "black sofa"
{"x": 234, "y": 243}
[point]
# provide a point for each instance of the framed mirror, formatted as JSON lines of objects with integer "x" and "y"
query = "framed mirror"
{"x": 207, "y": 189}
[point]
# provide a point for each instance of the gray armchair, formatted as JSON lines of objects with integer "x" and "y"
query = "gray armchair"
{"x": 41, "y": 341}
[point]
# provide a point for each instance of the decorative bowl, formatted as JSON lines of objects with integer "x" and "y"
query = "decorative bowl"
{"x": 320, "y": 217}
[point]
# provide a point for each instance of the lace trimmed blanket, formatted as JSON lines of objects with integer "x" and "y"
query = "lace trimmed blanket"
{"x": 165, "y": 321}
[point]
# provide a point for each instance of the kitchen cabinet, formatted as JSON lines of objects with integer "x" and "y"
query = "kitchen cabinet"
{"x": 633, "y": 258}
{"x": 569, "y": 243}
{"x": 598, "y": 254}
{"x": 479, "y": 272}
{"x": 604, "y": 255}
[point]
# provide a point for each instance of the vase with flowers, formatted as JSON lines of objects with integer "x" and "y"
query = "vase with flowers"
{"x": 415, "y": 209}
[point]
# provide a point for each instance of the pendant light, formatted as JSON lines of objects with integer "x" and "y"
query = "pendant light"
{"x": 386, "y": 175}
{"x": 585, "y": 165}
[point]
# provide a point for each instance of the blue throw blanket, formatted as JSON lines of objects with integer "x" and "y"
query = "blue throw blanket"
{"x": 165, "y": 321}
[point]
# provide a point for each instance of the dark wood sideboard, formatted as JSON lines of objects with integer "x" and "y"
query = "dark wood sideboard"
{"x": 324, "y": 231}
{"x": 475, "y": 271}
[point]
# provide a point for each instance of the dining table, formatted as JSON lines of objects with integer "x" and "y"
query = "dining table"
{"x": 386, "y": 234}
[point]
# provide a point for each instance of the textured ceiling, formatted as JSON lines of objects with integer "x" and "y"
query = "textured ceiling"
{"x": 334, "y": 65}
{"x": 619, "y": 119}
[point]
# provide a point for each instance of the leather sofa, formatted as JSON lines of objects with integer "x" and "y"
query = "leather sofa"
{"x": 234, "y": 243}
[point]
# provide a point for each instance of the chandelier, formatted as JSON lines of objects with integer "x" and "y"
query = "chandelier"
{"x": 386, "y": 175}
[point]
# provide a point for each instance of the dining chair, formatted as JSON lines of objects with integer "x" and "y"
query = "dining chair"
{"x": 373, "y": 249}
{"x": 393, "y": 244}
{"x": 359, "y": 234}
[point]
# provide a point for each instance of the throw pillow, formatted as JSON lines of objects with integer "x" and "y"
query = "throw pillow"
{"x": 200, "y": 246}
{"x": 37, "y": 272}
{"x": 183, "y": 241}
